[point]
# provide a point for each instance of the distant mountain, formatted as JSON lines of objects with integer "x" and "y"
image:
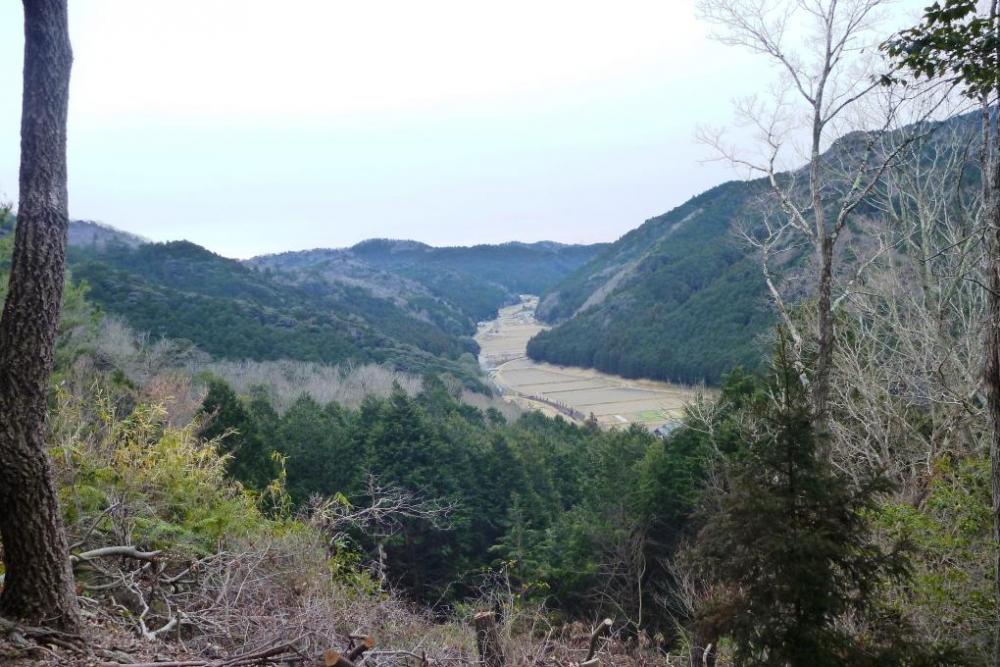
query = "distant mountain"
{"x": 474, "y": 279}
{"x": 682, "y": 297}
{"x": 92, "y": 234}
{"x": 395, "y": 302}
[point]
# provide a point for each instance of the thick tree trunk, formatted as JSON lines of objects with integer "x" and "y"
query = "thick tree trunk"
{"x": 38, "y": 585}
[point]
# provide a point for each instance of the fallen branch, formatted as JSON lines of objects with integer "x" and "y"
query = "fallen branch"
{"x": 262, "y": 656}
{"x": 127, "y": 552}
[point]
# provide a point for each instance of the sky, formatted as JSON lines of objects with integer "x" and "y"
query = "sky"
{"x": 256, "y": 126}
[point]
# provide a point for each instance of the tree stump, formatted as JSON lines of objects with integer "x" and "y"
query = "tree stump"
{"x": 488, "y": 640}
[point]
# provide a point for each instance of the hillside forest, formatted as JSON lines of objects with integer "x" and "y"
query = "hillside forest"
{"x": 296, "y": 459}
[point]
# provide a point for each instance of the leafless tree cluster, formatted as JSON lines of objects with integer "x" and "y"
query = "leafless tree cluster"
{"x": 916, "y": 320}
{"x": 347, "y": 384}
{"x": 828, "y": 88}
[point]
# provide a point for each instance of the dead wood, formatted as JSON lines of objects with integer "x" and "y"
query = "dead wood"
{"x": 488, "y": 639}
{"x": 124, "y": 551}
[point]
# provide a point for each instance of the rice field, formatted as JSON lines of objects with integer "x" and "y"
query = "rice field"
{"x": 574, "y": 393}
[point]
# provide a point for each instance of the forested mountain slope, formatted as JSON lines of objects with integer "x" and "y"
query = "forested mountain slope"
{"x": 682, "y": 297}
{"x": 401, "y": 303}
{"x": 180, "y": 290}
{"x": 475, "y": 279}
{"x": 677, "y": 298}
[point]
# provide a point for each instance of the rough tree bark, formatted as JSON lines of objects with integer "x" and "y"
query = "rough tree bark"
{"x": 38, "y": 585}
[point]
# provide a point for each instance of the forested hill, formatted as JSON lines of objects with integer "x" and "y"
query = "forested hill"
{"x": 682, "y": 297}
{"x": 475, "y": 279}
{"x": 413, "y": 309}
{"x": 676, "y": 298}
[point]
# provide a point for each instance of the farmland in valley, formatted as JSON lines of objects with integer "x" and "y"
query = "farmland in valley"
{"x": 575, "y": 393}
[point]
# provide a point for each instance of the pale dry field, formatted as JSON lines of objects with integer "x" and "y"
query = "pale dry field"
{"x": 567, "y": 390}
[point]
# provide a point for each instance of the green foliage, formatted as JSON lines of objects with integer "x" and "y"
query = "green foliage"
{"x": 535, "y": 494}
{"x": 182, "y": 291}
{"x": 787, "y": 550}
{"x": 953, "y": 41}
{"x": 173, "y": 483}
{"x": 321, "y": 455}
{"x": 246, "y": 437}
{"x": 953, "y": 556}
{"x": 691, "y": 297}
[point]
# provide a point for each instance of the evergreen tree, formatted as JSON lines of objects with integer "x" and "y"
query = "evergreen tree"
{"x": 246, "y": 436}
{"x": 322, "y": 456}
{"x": 787, "y": 552}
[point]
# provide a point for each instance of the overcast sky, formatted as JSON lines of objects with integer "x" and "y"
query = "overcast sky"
{"x": 257, "y": 126}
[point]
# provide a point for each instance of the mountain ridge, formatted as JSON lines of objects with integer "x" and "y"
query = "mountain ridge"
{"x": 680, "y": 298}
{"x": 405, "y": 304}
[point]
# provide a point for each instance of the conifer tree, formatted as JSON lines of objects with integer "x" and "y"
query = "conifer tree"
{"x": 787, "y": 550}
{"x": 242, "y": 435}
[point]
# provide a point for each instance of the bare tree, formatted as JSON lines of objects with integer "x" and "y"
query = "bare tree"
{"x": 386, "y": 513}
{"x": 39, "y": 582}
{"x": 907, "y": 388}
{"x": 824, "y": 80}
{"x": 957, "y": 41}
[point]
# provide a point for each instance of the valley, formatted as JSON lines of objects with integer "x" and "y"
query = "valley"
{"x": 572, "y": 392}
{"x": 471, "y": 369}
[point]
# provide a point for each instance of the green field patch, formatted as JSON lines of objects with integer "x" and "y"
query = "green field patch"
{"x": 651, "y": 415}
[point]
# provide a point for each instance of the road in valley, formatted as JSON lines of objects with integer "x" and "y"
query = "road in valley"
{"x": 575, "y": 393}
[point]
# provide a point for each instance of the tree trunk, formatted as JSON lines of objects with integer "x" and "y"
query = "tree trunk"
{"x": 38, "y": 585}
{"x": 992, "y": 376}
{"x": 824, "y": 338}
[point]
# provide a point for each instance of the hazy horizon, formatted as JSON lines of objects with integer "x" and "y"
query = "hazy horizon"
{"x": 258, "y": 130}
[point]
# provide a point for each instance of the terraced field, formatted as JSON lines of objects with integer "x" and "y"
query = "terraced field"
{"x": 575, "y": 393}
